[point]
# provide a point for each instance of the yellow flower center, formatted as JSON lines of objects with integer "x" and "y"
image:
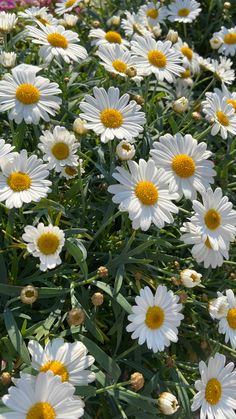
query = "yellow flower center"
{"x": 111, "y": 118}
{"x": 126, "y": 147}
{"x": 230, "y": 38}
{"x": 119, "y": 66}
{"x": 233, "y": 103}
{"x": 146, "y": 192}
{"x": 186, "y": 74}
{"x": 48, "y": 243}
{"x": 154, "y": 317}
{"x": 212, "y": 219}
{"x": 183, "y": 165}
{"x": 27, "y": 94}
{"x": 157, "y": 58}
{"x": 208, "y": 244}
{"x": 152, "y": 13}
{"x": 60, "y": 151}
{"x": 70, "y": 171}
{"x": 213, "y": 391}
{"x": 19, "y": 181}
{"x": 113, "y": 37}
{"x": 41, "y": 410}
{"x": 194, "y": 277}
{"x": 69, "y": 3}
{"x": 57, "y": 40}
{"x": 187, "y": 52}
{"x": 57, "y": 368}
{"x": 231, "y": 318}
{"x": 222, "y": 118}
{"x": 183, "y": 12}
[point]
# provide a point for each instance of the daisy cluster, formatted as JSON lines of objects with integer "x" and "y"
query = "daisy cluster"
{"x": 117, "y": 193}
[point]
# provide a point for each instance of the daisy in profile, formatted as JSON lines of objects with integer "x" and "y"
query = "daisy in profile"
{"x": 23, "y": 180}
{"x": 38, "y": 14}
{"x": 45, "y": 243}
{"x": 57, "y": 42}
{"x": 100, "y": 37}
{"x": 112, "y": 116}
{"x": 202, "y": 250}
{"x": 189, "y": 57}
{"x": 215, "y": 218}
{"x": 8, "y": 22}
{"x": 65, "y": 6}
{"x": 68, "y": 360}
{"x": 227, "y": 323}
{"x": 225, "y": 93}
{"x": 220, "y": 113}
{"x": 155, "y": 318}
{"x": 135, "y": 24}
{"x": 185, "y": 162}
{"x": 156, "y": 57}
{"x": 216, "y": 390}
{"x": 44, "y": 396}
{"x": 153, "y": 12}
{"x": 185, "y": 11}
{"x": 70, "y": 172}
{"x": 144, "y": 193}
{"x": 222, "y": 69}
{"x": 27, "y": 96}
{"x": 5, "y": 151}
{"x": 228, "y": 40}
{"x": 218, "y": 307}
{"x": 59, "y": 148}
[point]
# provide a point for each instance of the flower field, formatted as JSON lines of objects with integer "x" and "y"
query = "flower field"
{"x": 117, "y": 219}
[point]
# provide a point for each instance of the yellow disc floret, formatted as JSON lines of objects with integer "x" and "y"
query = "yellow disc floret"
{"x": 60, "y": 151}
{"x": 183, "y": 165}
{"x": 111, "y": 118}
{"x": 58, "y": 368}
{"x": 212, "y": 219}
{"x": 222, "y": 118}
{"x": 187, "y": 52}
{"x": 231, "y": 318}
{"x": 57, "y": 40}
{"x": 27, "y": 94}
{"x": 213, "y": 391}
{"x": 184, "y": 12}
{"x": 157, "y": 58}
{"x": 19, "y": 181}
{"x": 155, "y": 317}
{"x": 113, "y": 37}
{"x": 230, "y": 38}
{"x": 152, "y": 13}
{"x": 41, "y": 410}
{"x": 232, "y": 102}
{"x": 119, "y": 66}
{"x": 69, "y": 3}
{"x": 48, "y": 243}
{"x": 146, "y": 192}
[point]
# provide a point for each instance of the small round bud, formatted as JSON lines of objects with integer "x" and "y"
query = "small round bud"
{"x": 183, "y": 297}
{"x": 204, "y": 344}
{"x": 29, "y": 294}
{"x": 66, "y": 79}
{"x": 180, "y": 105}
{"x": 233, "y": 275}
{"x": 156, "y": 30}
{"x": 5, "y": 378}
{"x": 138, "y": 276}
{"x": 97, "y": 299}
{"x": 168, "y": 404}
{"x": 139, "y": 99}
{"x": 95, "y": 23}
{"x": 190, "y": 278}
{"x": 196, "y": 116}
{"x": 125, "y": 150}
{"x": 75, "y": 317}
{"x": 227, "y": 5}
{"x": 176, "y": 264}
{"x": 175, "y": 281}
{"x": 79, "y": 126}
{"x": 170, "y": 362}
{"x": 137, "y": 381}
{"x": 215, "y": 42}
{"x": 204, "y": 297}
{"x": 172, "y": 36}
{"x": 114, "y": 20}
{"x": 131, "y": 72}
{"x": 102, "y": 271}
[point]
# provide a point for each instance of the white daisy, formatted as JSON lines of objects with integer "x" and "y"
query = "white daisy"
{"x": 215, "y": 218}
{"x": 227, "y": 323}
{"x": 225, "y": 93}
{"x": 59, "y": 148}
{"x": 45, "y": 243}
{"x": 156, "y": 318}
{"x": 70, "y": 172}
{"x": 189, "y": 57}
{"x": 5, "y": 151}
{"x": 222, "y": 69}
{"x": 57, "y": 42}
{"x": 220, "y": 113}
{"x": 218, "y": 307}
{"x": 144, "y": 193}
{"x": 100, "y": 37}
{"x": 185, "y": 163}
{"x": 69, "y": 20}
{"x": 66, "y": 6}
{"x": 125, "y": 150}
{"x": 23, "y": 180}
{"x": 38, "y": 14}
{"x": 216, "y": 397}
{"x": 134, "y": 24}
{"x": 156, "y": 57}
{"x": 112, "y": 116}
{"x": 27, "y": 96}
{"x": 228, "y": 38}
{"x": 190, "y": 278}
{"x": 183, "y": 11}
{"x": 202, "y": 250}
{"x": 153, "y": 12}
{"x": 8, "y": 22}
{"x": 116, "y": 59}
{"x": 44, "y": 396}
{"x": 68, "y": 360}
{"x": 8, "y": 59}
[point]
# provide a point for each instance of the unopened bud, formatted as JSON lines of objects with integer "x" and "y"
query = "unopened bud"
{"x": 79, "y": 126}
{"x": 168, "y": 404}
{"x": 204, "y": 344}
{"x": 183, "y": 297}
{"x": 139, "y": 99}
{"x": 125, "y": 151}
{"x": 215, "y": 43}
{"x": 5, "y": 378}
{"x": 233, "y": 275}
{"x": 137, "y": 381}
{"x": 138, "y": 276}
{"x": 75, "y": 317}
{"x": 172, "y": 36}
{"x": 97, "y": 299}
{"x": 180, "y": 105}
{"x": 131, "y": 72}
{"x": 114, "y": 20}
{"x": 29, "y": 294}
{"x": 102, "y": 271}
{"x": 156, "y": 30}
{"x": 227, "y": 5}
{"x": 170, "y": 362}
{"x": 176, "y": 264}
{"x": 190, "y": 278}
{"x": 175, "y": 281}
{"x": 196, "y": 116}
{"x": 95, "y": 23}
{"x": 204, "y": 297}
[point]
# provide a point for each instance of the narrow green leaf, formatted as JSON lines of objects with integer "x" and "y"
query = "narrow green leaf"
{"x": 15, "y": 336}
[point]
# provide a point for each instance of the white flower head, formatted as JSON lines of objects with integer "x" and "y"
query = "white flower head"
{"x": 218, "y": 307}
{"x": 228, "y": 40}
{"x": 70, "y": 172}
{"x": 8, "y": 59}
{"x": 190, "y": 278}
{"x": 125, "y": 150}
{"x": 154, "y": 13}
{"x": 100, "y": 37}
{"x": 5, "y": 152}
{"x": 134, "y": 24}
{"x": 8, "y": 22}
{"x": 168, "y": 404}
{"x": 227, "y": 323}
{"x": 183, "y": 11}
{"x": 65, "y": 6}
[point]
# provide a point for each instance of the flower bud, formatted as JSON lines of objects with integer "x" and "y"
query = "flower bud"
{"x": 196, "y": 116}
{"x": 102, "y": 271}
{"x": 95, "y": 24}
{"x": 75, "y": 317}
{"x": 125, "y": 150}
{"x": 69, "y": 20}
{"x": 183, "y": 296}
{"x": 5, "y": 378}
{"x": 190, "y": 278}
{"x": 168, "y": 403}
{"x": 79, "y": 126}
{"x": 215, "y": 42}
{"x": 137, "y": 381}
{"x": 97, "y": 299}
{"x": 131, "y": 72}
{"x": 29, "y": 294}
{"x": 172, "y": 36}
{"x": 156, "y": 30}
{"x": 227, "y": 5}
{"x": 175, "y": 281}
{"x": 139, "y": 99}
{"x": 204, "y": 344}
{"x": 114, "y": 20}
{"x": 218, "y": 307}
{"x": 8, "y": 59}
{"x": 180, "y": 105}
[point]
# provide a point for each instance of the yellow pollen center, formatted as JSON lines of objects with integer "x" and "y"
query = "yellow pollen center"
{"x": 113, "y": 37}
{"x": 111, "y": 118}
{"x": 187, "y": 52}
{"x": 194, "y": 277}
{"x": 119, "y": 66}
{"x": 222, "y": 118}
{"x": 183, "y": 12}
{"x": 157, "y": 58}
{"x": 19, "y": 181}
{"x": 60, "y": 151}
{"x": 208, "y": 244}
{"x": 186, "y": 74}
{"x": 126, "y": 147}
{"x": 230, "y": 38}
{"x": 57, "y": 40}
{"x": 213, "y": 391}
{"x": 152, "y": 13}
{"x": 70, "y": 3}
{"x": 231, "y": 318}
{"x": 183, "y": 165}
{"x": 41, "y": 410}
{"x": 233, "y": 103}
{"x": 48, "y": 243}
{"x": 27, "y": 94}
{"x": 57, "y": 368}
{"x": 212, "y": 219}
{"x": 146, "y": 192}
{"x": 154, "y": 317}
{"x": 70, "y": 171}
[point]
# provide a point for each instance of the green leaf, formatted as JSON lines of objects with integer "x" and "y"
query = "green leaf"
{"x": 119, "y": 298}
{"x": 15, "y": 336}
{"x": 76, "y": 249}
{"x": 85, "y": 391}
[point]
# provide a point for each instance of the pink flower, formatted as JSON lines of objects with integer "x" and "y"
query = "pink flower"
{"x": 7, "y": 4}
